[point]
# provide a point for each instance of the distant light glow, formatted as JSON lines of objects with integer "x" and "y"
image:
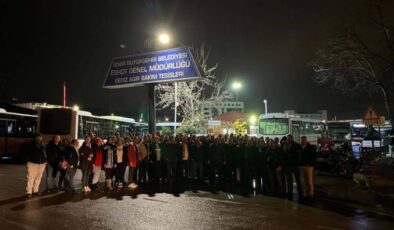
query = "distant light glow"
{"x": 75, "y": 107}
{"x": 252, "y": 120}
{"x": 358, "y": 125}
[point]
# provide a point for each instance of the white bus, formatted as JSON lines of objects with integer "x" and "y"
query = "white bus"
{"x": 274, "y": 125}
{"x": 75, "y": 124}
{"x": 16, "y": 130}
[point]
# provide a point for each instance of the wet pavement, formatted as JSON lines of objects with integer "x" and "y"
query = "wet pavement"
{"x": 180, "y": 207}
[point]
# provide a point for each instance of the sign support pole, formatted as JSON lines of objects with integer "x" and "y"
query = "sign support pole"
{"x": 152, "y": 108}
{"x": 175, "y": 106}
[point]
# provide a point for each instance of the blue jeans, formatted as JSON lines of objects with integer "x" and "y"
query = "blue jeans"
{"x": 50, "y": 180}
{"x": 69, "y": 180}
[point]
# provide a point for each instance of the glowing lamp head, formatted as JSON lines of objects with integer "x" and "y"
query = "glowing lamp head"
{"x": 164, "y": 38}
{"x": 236, "y": 85}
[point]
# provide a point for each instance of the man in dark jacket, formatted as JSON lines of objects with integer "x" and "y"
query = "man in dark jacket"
{"x": 72, "y": 158}
{"x": 197, "y": 158}
{"x": 291, "y": 155}
{"x": 37, "y": 159}
{"x": 54, "y": 152}
{"x": 170, "y": 155}
{"x": 307, "y": 162}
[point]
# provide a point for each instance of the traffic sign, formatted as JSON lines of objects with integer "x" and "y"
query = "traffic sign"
{"x": 371, "y": 117}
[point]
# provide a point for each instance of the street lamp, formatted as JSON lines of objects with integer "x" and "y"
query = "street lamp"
{"x": 236, "y": 87}
{"x": 164, "y": 38}
{"x": 166, "y": 119}
{"x": 265, "y": 106}
{"x": 252, "y": 120}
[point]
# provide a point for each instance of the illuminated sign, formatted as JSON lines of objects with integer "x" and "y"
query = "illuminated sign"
{"x": 155, "y": 67}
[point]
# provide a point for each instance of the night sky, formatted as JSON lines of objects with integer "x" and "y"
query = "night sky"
{"x": 265, "y": 44}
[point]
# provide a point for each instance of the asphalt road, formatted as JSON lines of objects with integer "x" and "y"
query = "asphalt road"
{"x": 182, "y": 207}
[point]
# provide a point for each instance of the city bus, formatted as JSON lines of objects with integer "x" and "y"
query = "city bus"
{"x": 16, "y": 130}
{"x": 167, "y": 127}
{"x": 277, "y": 125}
{"x": 75, "y": 124}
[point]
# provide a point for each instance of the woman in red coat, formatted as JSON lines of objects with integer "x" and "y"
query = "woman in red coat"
{"x": 132, "y": 156}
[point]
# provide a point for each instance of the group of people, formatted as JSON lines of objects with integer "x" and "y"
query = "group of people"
{"x": 269, "y": 165}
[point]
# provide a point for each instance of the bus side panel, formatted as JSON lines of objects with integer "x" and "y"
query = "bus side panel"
{"x": 3, "y": 148}
{"x": 74, "y": 126}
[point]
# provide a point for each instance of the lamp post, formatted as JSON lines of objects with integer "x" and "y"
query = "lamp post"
{"x": 163, "y": 39}
{"x": 236, "y": 87}
{"x": 265, "y": 106}
{"x": 176, "y": 104}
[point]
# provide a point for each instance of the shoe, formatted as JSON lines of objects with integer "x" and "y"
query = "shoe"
{"x": 36, "y": 194}
{"x": 133, "y": 186}
{"x": 85, "y": 189}
{"x": 28, "y": 196}
{"x": 88, "y": 189}
{"x": 120, "y": 185}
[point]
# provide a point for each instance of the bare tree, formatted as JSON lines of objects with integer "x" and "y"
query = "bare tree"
{"x": 192, "y": 94}
{"x": 351, "y": 65}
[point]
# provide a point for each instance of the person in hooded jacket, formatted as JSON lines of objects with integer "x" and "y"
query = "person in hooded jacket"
{"x": 109, "y": 152}
{"x": 72, "y": 158}
{"x": 132, "y": 159}
{"x": 98, "y": 162}
{"x": 86, "y": 162}
{"x": 120, "y": 163}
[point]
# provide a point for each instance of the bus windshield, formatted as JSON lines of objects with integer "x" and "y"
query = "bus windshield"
{"x": 55, "y": 121}
{"x": 339, "y": 131}
{"x": 274, "y": 126}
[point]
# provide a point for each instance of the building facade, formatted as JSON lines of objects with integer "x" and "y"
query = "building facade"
{"x": 209, "y": 110}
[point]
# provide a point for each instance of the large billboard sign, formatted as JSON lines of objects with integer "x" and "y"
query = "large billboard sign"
{"x": 155, "y": 67}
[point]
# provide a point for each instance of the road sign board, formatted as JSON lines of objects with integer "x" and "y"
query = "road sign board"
{"x": 371, "y": 117}
{"x": 155, "y": 67}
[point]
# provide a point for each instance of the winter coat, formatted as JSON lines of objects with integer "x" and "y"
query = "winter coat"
{"x": 84, "y": 153}
{"x": 109, "y": 155}
{"x": 142, "y": 151}
{"x": 307, "y": 155}
{"x": 72, "y": 156}
{"x": 291, "y": 155}
{"x": 132, "y": 155}
{"x": 37, "y": 153}
{"x": 170, "y": 152}
{"x": 54, "y": 153}
{"x": 197, "y": 152}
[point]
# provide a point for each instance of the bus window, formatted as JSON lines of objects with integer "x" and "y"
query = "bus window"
{"x": 11, "y": 128}
{"x": 88, "y": 125}
{"x": 274, "y": 126}
{"x": 2, "y": 128}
